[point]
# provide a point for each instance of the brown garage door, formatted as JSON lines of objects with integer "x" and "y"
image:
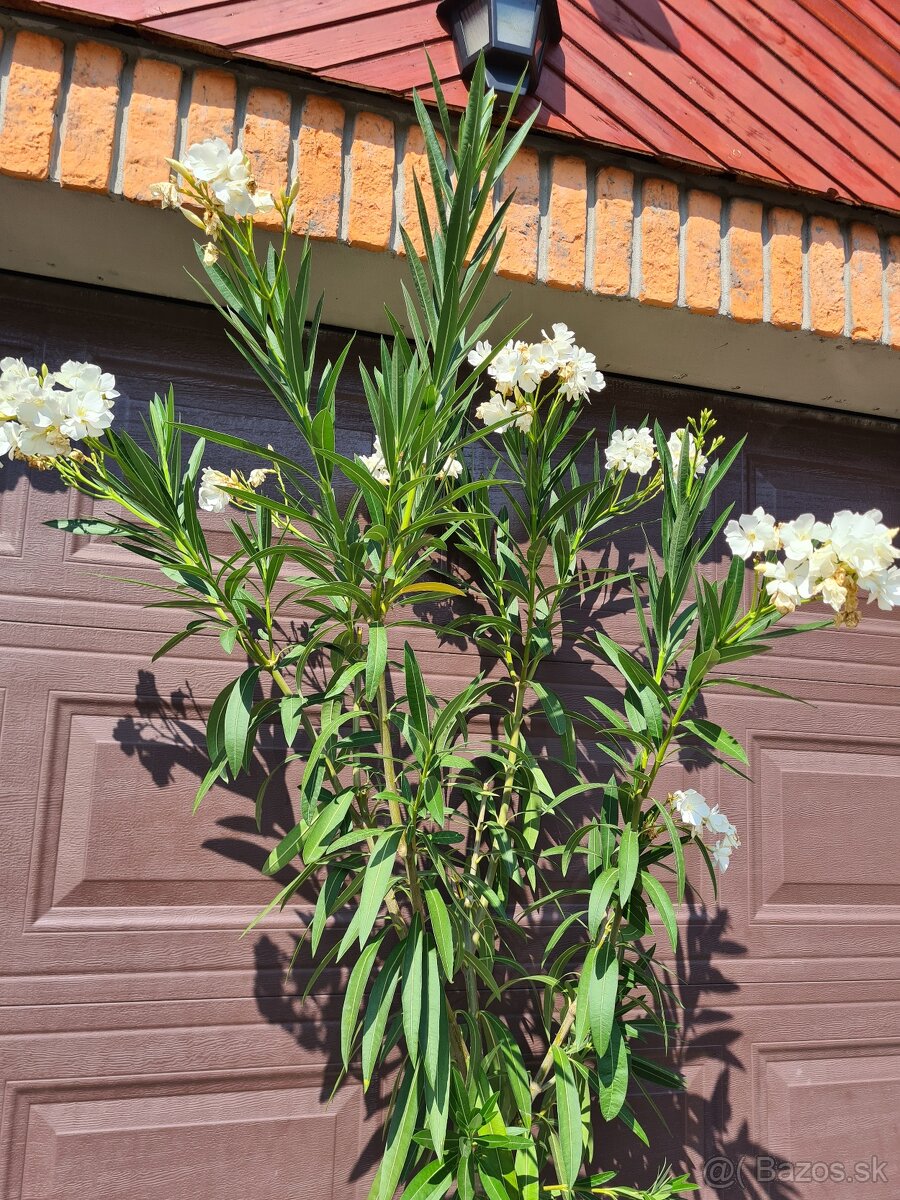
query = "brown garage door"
{"x": 145, "y": 1051}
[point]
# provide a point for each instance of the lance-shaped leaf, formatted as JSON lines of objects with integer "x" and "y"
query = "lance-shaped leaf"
{"x": 568, "y": 1116}
{"x": 663, "y": 905}
{"x": 356, "y": 986}
{"x": 379, "y": 875}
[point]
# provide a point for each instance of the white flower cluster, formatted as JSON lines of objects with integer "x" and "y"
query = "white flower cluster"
{"x": 377, "y": 467}
{"x": 829, "y": 561}
{"x": 210, "y": 496}
{"x": 42, "y": 413}
{"x": 519, "y": 368}
{"x": 227, "y": 177}
{"x": 220, "y": 181}
{"x": 697, "y": 816}
{"x": 635, "y": 450}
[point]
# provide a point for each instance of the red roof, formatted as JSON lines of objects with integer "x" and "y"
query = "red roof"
{"x": 797, "y": 93}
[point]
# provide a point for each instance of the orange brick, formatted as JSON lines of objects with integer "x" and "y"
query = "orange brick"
{"x": 660, "y": 223}
{"x": 211, "y": 111}
{"x": 567, "y": 223}
{"x": 371, "y": 202}
{"x": 786, "y": 268}
{"x": 703, "y": 252}
{"x": 866, "y": 303}
{"x": 318, "y": 208}
{"x": 826, "y": 276}
{"x": 893, "y": 290}
{"x": 152, "y": 126}
{"x": 613, "y": 231}
{"x": 35, "y": 77}
{"x": 519, "y": 256}
{"x": 746, "y": 259}
{"x": 89, "y": 124}
{"x": 267, "y": 142}
{"x": 415, "y": 167}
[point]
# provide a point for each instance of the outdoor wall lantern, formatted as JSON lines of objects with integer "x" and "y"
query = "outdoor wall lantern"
{"x": 512, "y": 35}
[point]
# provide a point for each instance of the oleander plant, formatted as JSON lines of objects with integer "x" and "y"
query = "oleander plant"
{"x": 490, "y": 869}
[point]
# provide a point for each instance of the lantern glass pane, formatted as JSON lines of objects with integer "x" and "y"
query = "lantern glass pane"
{"x": 473, "y": 28}
{"x": 515, "y": 20}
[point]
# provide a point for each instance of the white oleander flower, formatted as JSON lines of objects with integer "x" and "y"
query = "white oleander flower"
{"x": 691, "y": 807}
{"x": 524, "y": 416}
{"x": 698, "y": 461}
{"x": 9, "y": 437}
{"x": 479, "y": 353}
{"x": 210, "y": 160}
{"x": 210, "y": 254}
{"x": 578, "y": 375}
{"x": 798, "y": 536}
{"x": 228, "y": 176}
{"x": 210, "y": 496}
{"x": 257, "y": 477}
{"x": 40, "y": 408}
{"x": 788, "y": 583}
{"x": 87, "y": 379}
{"x": 495, "y": 409}
{"x": 862, "y": 541}
{"x": 544, "y": 358}
{"x": 84, "y": 415}
{"x": 717, "y": 822}
{"x": 452, "y": 469}
{"x": 631, "y": 450}
{"x": 514, "y": 370}
{"x": 882, "y": 586}
{"x": 42, "y": 443}
{"x": 375, "y": 464}
{"x": 721, "y": 855}
{"x": 560, "y": 343}
{"x": 19, "y": 384}
{"x": 753, "y": 533}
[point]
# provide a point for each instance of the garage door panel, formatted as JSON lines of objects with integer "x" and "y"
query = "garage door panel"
{"x": 221, "y": 1111}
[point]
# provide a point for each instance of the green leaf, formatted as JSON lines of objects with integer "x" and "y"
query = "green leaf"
{"x": 434, "y": 1040}
{"x": 236, "y": 722}
{"x": 356, "y": 986}
{"x": 176, "y": 638}
{"x": 87, "y": 526}
{"x": 378, "y": 1010}
{"x": 513, "y": 1063}
{"x": 629, "y": 854}
{"x": 291, "y": 712}
{"x": 717, "y": 737}
{"x": 677, "y": 849}
{"x": 379, "y": 874}
{"x": 441, "y": 929}
{"x": 612, "y": 1073}
{"x": 602, "y": 995}
{"x": 401, "y": 1128}
{"x": 663, "y": 905}
{"x": 568, "y": 1110}
{"x": 330, "y": 818}
{"x": 376, "y": 659}
{"x": 416, "y": 695}
{"x": 412, "y": 992}
{"x": 431, "y": 1183}
{"x": 601, "y": 892}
